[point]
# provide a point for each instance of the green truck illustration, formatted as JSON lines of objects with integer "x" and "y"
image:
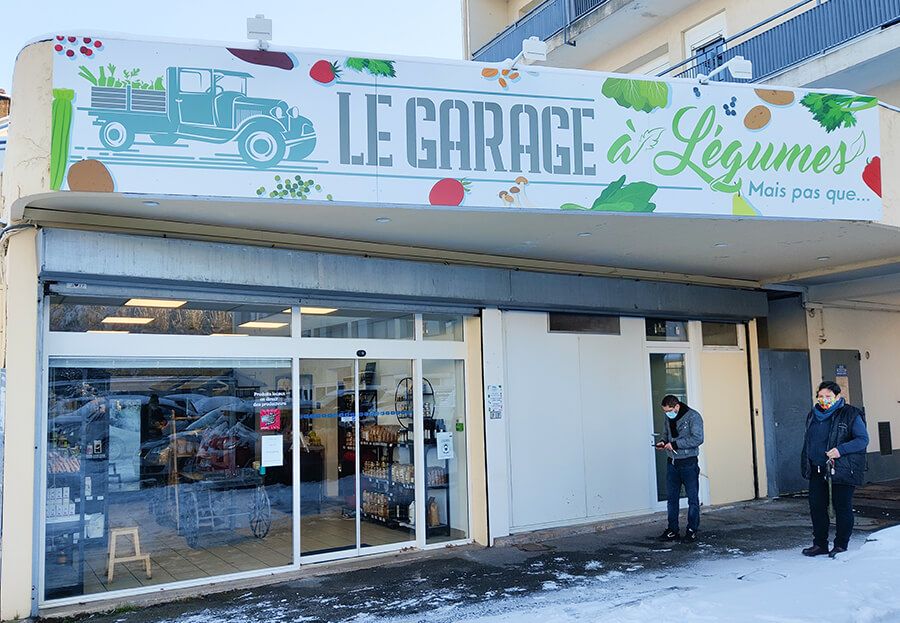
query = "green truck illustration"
{"x": 209, "y": 105}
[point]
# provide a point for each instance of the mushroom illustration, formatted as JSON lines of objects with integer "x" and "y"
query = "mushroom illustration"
{"x": 523, "y": 181}
{"x": 505, "y": 196}
{"x": 515, "y": 192}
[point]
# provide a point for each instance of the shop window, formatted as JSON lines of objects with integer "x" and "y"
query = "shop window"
{"x": 190, "y": 461}
{"x": 661, "y": 330}
{"x": 166, "y": 316}
{"x": 446, "y": 486}
{"x": 327, "y": 322}
{"x": 584, "y": 323}
{"x": 442, "y": 327}
{"x": 720, "y": 334}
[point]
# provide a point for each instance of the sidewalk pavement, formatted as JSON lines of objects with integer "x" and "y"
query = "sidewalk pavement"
{"x": 407, "y": 586}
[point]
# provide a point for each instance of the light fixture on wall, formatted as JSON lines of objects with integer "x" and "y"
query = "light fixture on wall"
{"x": 740, "y": 68}
{"x": 260, "y": 29}
{"x": 533, "y": 51}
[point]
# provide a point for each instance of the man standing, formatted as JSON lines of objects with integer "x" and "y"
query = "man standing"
{"x": 681, "y": 439}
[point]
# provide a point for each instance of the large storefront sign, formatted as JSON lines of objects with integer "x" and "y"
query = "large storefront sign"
{"x": 179, "y": 119}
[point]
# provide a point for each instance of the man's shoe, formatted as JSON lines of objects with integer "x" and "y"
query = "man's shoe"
{"x": 836, "y": 550}
{"x": 815, "y": 550}
{"x": 690, "y": 536}
{"x": 669, "y": 535}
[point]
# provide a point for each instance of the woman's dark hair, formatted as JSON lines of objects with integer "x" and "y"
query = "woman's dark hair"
{"x": 670, "y": 401}
{"x": 833, "y": 387}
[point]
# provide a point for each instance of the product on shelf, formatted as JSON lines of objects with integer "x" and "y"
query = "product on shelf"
{"x": 59, "y": 463}
{"x": 377, "y": 433}
{"x": 436, "y": 476}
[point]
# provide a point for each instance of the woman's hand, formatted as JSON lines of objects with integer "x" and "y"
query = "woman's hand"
{"x": 833, "y": 454}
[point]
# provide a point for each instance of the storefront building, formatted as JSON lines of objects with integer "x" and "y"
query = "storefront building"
{"x": 261, "y": 314}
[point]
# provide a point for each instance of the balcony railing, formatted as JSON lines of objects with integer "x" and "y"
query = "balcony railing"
{"x": 543, "y": 22}
{"x": 775, "y": 48}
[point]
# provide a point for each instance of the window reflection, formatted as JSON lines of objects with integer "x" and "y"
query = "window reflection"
{"x": 190, "y": 464}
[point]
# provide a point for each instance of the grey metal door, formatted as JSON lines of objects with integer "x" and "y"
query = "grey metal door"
{"x": 787, "y": 398}
{"x": 842, "y": 367}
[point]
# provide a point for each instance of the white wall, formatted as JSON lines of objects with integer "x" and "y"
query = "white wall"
{"x": 876, "y": 335}
{"x": 578, "y": 423}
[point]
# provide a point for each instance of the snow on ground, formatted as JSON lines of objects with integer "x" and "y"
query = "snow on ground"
{"x": 861, "y": 586}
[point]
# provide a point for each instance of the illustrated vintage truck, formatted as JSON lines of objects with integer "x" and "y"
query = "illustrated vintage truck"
{"x": 209, "y": 105}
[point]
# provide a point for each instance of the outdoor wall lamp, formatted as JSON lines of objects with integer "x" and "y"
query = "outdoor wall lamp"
{"x": 740, "y": 68}
{"x": 533, "y": 51}
{"x": 260, "y": 28}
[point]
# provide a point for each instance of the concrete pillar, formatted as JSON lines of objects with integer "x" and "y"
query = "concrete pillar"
{"x": 495, "y": 427}
{"x": 20, "y": 352}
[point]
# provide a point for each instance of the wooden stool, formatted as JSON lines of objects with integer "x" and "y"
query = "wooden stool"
{"x": 114, "y": 534}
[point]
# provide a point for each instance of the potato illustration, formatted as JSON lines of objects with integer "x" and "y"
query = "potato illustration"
{"x": 90, "y": 176}
{"x": 757, "y": 118}
{"x": 775, "y": 96}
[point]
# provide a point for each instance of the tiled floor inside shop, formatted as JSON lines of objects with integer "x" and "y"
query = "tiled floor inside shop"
{"x": 223, "y": 552}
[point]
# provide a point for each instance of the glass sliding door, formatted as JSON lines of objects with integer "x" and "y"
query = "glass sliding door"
{"x": 386, "y": 452}
{"x": 327, "y": 456}
{"x": 357, "y": 451}
{"x": 668, "y": 375}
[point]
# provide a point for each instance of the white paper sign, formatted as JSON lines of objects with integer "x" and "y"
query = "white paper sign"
{"x": 495, "y": 401}
{"x": 444, "y": 446}
{"x": 272, "y": 450}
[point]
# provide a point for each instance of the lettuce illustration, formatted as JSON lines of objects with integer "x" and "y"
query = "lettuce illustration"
{"x": 621, "y": 197}
{"x": 641, "y": 95}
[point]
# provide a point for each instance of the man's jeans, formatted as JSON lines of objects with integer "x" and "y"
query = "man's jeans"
{"x": 841, "y": 500}
{"x": 683, "y": 472}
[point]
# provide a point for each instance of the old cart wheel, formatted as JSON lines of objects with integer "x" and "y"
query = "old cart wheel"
{"x": 115, "y": 135}
{"x": 260, "y": 513}
{"x": 261, "y": 148}
{"x": 190, "y": 519}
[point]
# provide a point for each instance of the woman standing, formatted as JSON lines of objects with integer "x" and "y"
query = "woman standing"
{"x": 834, "y": 449}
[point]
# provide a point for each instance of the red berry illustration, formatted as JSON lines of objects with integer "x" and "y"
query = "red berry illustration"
{"x": 448, "y": 192}
{"x": 88, "y": 52}
{"x": 71, "y": 39}
{"x": 872, "y": 175}
{"x": 59, "y": 38}
{"x": 87, "y": 39}
{"x": 324, "y": 72}
{"x": 70, "y": 53}
{"x": 98, "y": 43}
{"x": 58, "y": 48}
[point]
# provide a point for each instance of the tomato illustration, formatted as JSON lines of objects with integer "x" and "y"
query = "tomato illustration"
{"x": 448, "y": 192}
{"x": 872, "y": 175}
{"x": 324, "y": 72}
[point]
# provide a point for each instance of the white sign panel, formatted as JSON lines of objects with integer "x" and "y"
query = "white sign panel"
{"x": 272, "y": 450}
{"x": 308, "y": 126}
{"x": 444, "y": 445}
{"x": 494, "y": 399}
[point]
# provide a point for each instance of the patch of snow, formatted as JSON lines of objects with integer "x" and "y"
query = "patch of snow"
{"x": 774, "y": 587}
{"x": 593, "y": 565}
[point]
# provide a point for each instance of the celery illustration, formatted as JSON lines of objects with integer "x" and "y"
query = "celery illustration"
{"x": 61, "y": 123}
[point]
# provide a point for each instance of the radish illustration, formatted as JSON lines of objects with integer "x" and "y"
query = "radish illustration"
{"x": 872, "y": 175}
{"x": 324, "y": 72}
{"x": 448, "y": 192}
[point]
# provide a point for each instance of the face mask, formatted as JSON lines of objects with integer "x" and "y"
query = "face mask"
{"x": 671, "y": 414}
{"x": 826, "y": 402}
